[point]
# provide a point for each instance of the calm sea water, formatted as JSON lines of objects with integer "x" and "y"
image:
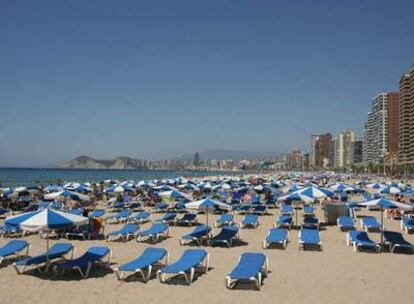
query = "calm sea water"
{"x": 10, "y": 177}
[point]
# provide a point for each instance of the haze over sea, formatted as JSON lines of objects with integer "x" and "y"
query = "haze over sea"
{"x": 11, "y": 177}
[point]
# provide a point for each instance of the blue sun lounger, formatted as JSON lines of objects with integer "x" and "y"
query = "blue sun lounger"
{"x": 407, "y": 224}
{"x": 161, "y": 207}
{"x": 13, "y": 248}
{"x": 259, "y": 209}
{"x": 284, "y": 221}
{"x": 224, "y": 220}
{"x": 345, "y": 223}
{"x": 188, "y": 219}
{"x": 9, "y": 231}
{"x": 84, "y": 263}
{"x": 250, "y": 220}
{"x": 97, "y": 213}
{"x": 276, "y": 236}
{"x": 370, "y": 223}
{"x": 395, "y": 240}
{"x": 124, "y": 233}
{"x": 122, "y": 216}
{"x": 286, "y": 210}
{"x": 199, "y": 234}
{"x": 360, "y": 241}
{"x": 154, "y": 232}
{"x": 227, "y": 236}
{"x": 186, "y": 265}
{"x": 141, "y": 217}
{"x": 310, "y": 223}
{"x": 309, "y": 238}
{"x": 144, "y": 263}
{"x": 308, "y": 210}
{"x": 57, "y": 251}
{"x": 168, "y": 218}
{"x": 252, "y": 267}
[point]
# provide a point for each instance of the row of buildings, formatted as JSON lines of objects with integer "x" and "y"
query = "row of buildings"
{"x": 389, "y": 126}
{"x": 387, "y": 143}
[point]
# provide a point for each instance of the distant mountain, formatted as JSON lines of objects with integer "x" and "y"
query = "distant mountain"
{"x": 86, "y": 162}
{"x": 220, "y": 154}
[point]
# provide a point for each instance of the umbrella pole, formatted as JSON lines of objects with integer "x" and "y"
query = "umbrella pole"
{"x": 382, "y": 229}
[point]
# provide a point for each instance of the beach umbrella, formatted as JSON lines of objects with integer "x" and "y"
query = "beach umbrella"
{"x": 313, "y": 192}
{"x": 390, "y": 190}
{"x": 207, "y": 205}
{"x": 67, "y": 193}
{"x": 375, "y": 186}
{"x": 385, "y": 204}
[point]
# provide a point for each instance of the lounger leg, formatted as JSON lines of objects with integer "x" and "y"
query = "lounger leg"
{"x": 207, "y": 262}
{"x": 191, "y": 275}
{"x": 259, "y": 281}
{"x": 119, "y": 274}
{"x": 264, "y": 245}
{"x": 149, "y": 274}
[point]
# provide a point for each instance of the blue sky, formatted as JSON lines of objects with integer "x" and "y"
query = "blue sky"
{"x": 157, "y": 79}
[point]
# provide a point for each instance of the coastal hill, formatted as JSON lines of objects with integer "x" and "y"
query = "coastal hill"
{"x": 86, "y": 162}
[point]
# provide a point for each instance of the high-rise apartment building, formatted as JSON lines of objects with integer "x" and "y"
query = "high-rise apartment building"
{"x": 376, "y": 130}
{"x": 323, "y": 151}
{"x": 295, "y": 160}
{"x": 406, "y": 119}
{"x": 344, "y": 151}
{"x": 393, "y": 123}
{"x": 312, "y": 151}
{"x": 357, "y": 150}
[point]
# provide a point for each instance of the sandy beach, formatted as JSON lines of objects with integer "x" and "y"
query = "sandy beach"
{"x": 335, "y": 275}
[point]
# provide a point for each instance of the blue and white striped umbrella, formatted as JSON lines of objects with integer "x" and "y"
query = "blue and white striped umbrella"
{"x": 207, "y": 205}
{"x": 390, "y": 190}
{"x": 46, "y": 220}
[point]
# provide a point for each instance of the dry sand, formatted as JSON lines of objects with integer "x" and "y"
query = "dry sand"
{"x": 335, "y": 275}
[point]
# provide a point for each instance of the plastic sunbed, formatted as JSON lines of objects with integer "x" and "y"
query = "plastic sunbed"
{"x": 97, "y": 213}
{"x": 252, "y": 267}
{"x": 259, "y": 209}
{"x": 396, "y": 240}
{"x": 186, "y": 265}
{"x": 168, "y": 218}
{"x": 345, "y": 223}
{"x": 227, "y": 236}
{"x": 370, "y": 223}
{"x": 82, "y": 232}
{"x": 284, "y": 221}
{"x": 225, "y": 219}
{"x": 122, "y": 216}
{"x": 57, "y": 251}
{"x": 250, "y": 220}
{"x": 286, "y": 210}
{"x": 124, "y": 233}
{"x": 360, "y": 241}
{"x": 14, "y": 247}
{"x": 144, "y": 263}
{"x": 154, "y": 232}
{"x": 407, "y": 224}
{"x": 141, "y": 217}
{"x": 276, "y": 236}
{"x": 84, "y": 263}
{"x": 9, "y": 231}
{"x": 309, "y": 238}
{"x": 310, "y": 223}
{"x": 199, "y": 234}
{"x": 308, "y": 210}
{"x": 188, "y": 219}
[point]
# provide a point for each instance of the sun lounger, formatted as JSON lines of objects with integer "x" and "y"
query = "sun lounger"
{"x": 57, "y": 251}
{"x": 250, "y": 220}
{"x": 308, "y": 210}
{"x": 310, "y": 223}
{"x": 161, "y": 207}
{"x": 124, "y": 233}
{"x": 141, "y": 217}
{"x": 259, "y": 209}
{"x": 345, "y": 223}
{"x": 122, "y": 216}
{"x": 284, "y": 221}
{"x": 224, "y": 220}
{"x": 227, "y": 236}
{"x": 395, "y": 240}
{"x": 309, "y": 238}
{"x": 243, "y": 209}
{"x": 407, "y": 224}
{"x": 97, "y": 213}
{"x": 83, "y": 264}
{"x": 144, "y": 263}
{"x": 75, "y": 211}
{"x": 80, "y": 232}
{"x": 188, "y": 219}
{"x": 286, "y": 210}
{"x": 186, "y": 265}
{"x": 11, "y": 231}
{"x": 276, "y": 236}
{"x": 360, "y": 241}
{"x": 370, "y": 223}
{"x": 271, "y": 203}
{"x": 154, "y": 232}
{"x": 199, "y": 234}
{"x": 168, "y": 218}
{"x": 13, "y": 248}
{"x": 252, "y": 267}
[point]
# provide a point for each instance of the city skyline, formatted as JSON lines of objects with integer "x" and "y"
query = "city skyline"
{"x": 108, "y": 80}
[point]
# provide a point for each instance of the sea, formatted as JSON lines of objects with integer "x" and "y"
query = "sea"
{"x": 13, "y": 177}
